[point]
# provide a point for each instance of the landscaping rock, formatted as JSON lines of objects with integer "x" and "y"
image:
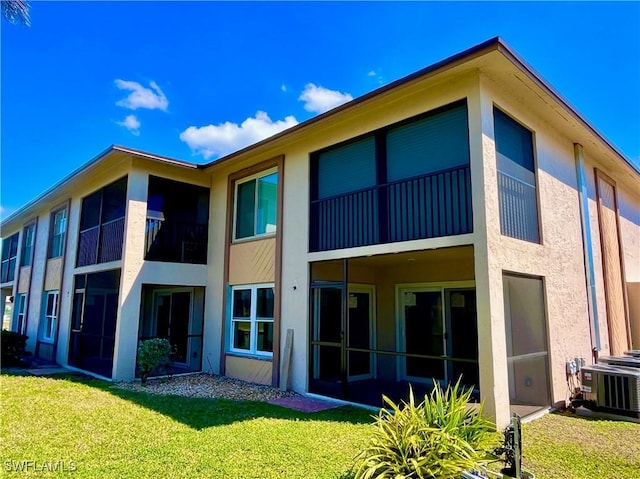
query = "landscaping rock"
{"x": 208, "y": 386}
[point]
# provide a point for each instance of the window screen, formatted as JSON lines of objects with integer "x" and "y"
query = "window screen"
{"x": 432, "y": 144}
{"x": 516, "y": 179}
{"x": 347, "y": 168}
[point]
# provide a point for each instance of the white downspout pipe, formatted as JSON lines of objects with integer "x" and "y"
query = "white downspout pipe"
{"x": 587, "y": 247}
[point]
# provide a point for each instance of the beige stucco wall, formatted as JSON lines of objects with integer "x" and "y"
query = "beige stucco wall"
{"x": 296, "y": 200}
{"x": 136, "y": 271}
{"x": 559, "y": 259}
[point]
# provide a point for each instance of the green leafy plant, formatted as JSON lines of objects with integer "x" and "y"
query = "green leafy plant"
{"x": 152, "y": 354}
{"x": 13, "y": 348}
{"x": 438, "y": 438}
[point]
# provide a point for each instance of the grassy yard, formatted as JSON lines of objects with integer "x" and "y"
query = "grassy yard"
{"x": 109, "y": 432}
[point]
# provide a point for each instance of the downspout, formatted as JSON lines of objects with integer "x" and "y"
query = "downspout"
{"x": 587, "y": 247}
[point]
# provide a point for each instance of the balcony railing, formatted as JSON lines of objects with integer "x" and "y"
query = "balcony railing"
{"x": 427, "y": 206}
{"x": 518, "y": 208}
{"x": 176, "y": 241}
{"x": 101, "y": 244}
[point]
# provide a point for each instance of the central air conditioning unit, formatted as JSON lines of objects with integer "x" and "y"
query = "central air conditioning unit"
{"x": 613, "y": 389}
{"x": 626, "y": 361}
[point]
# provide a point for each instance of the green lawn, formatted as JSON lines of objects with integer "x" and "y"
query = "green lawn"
{"x": 108, "y": 433}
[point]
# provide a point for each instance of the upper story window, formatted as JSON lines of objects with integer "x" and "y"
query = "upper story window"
{"x": 406, "y": 181}
{"x": 516, "y": 179}
{"x": 58, "y": 230}
{"x": 256, "y": 204}
{"x": 9, "y": 255}
{"x": 102, "y": 224}
{"x": 28, "y": 240}
{"x": 177, "y": 225}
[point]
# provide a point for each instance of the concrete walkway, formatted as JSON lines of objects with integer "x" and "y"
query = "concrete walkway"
{"x": 48, "y": 371}
{"x": 305, "y": 404}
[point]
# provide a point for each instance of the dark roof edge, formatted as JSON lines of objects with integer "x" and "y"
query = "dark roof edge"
{"x": 495, "y": 43}
{"x": 154, "y": 157}
{"x": 517, "y": 60}
{"x": 477, "y": 50}
{"x": 92, "y": 162}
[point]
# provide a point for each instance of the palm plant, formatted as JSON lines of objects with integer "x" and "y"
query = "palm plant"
{"x": 439, "y": 438}
{"x": 16, "y": 11}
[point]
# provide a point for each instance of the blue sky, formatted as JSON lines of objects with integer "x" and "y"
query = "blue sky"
{"x": 197, "y": 80}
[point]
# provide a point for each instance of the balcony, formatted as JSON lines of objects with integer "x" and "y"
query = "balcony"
{"x": 101, "y": 244}
{"x": 427, "y": 206}
{"x": 176, "y": 241}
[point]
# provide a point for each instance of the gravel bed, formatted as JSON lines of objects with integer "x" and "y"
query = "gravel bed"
{"x": 208, "y": 386}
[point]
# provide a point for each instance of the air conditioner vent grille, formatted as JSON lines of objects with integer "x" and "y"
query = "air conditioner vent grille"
{"x": 616, "y": 392}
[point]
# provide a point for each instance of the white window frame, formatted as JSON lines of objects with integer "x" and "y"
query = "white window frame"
{"x": 61, "y": 233}
{"x": 247, "y": 179}
{"x": 252, "y": 319}
{"x": 6, "y": 247}
{"x": 28, "y": 244}
{"x": 50, "y": 318}
{"x": 21, "y": 312}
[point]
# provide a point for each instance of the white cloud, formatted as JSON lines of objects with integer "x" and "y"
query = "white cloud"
{"x": 284, "y": 88}
{"x": 131, "y": 123}
{"x": 372, "y": 73}
{"x": 318, "y": 99}
{"x": 141, "y": 97}
{"x": 219, "y": 140}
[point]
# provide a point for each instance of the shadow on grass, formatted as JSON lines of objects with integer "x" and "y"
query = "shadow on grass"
{"x": 202, "y": 413}
{"x": 596, "y": 416}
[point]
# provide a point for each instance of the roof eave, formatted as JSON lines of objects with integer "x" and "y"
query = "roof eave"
{"x": 447, "y": 63}
{"x": 102, "y": 156}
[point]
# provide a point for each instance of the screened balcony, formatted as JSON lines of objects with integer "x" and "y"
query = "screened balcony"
{"x": 177, "y": 222}
{"x": 381, "y": 323}
{"x": 404, "y": 182}
{"x": 102, "y": 225}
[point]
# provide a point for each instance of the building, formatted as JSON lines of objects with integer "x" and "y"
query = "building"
{"x": 462, "y": 221}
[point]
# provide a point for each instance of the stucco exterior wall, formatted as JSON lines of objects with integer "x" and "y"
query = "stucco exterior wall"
{"x": 96, "y": 181}
{"x": 559, "y": 258}
{"x": 136, "y": 271}
{"x": 295, "y": 223}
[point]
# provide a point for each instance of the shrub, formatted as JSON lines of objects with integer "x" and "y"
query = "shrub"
{"x": 13, "y": 345}
{"x": 438, "y": 438}
{"x": 152, "y": 354}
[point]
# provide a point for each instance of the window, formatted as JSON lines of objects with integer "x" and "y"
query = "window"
{"x": 256, "y": 205}
{"x": 21, "y": 313}
{"x": 28, "y": 238}
{"x": 516, "y": 179}
{"x": 58, "y": 230}
{"x": 252, "y": 319}
{"x": 9, "y": 254}
{"x": 102, "y": 224}
{"x": 406, "y": 181}
{"x": 50, "y": 317}
{"x": 348, "y": 168}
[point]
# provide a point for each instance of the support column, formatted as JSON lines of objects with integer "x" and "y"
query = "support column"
{"x": 126, "y": 341}
{"x": 492, "y": 351}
